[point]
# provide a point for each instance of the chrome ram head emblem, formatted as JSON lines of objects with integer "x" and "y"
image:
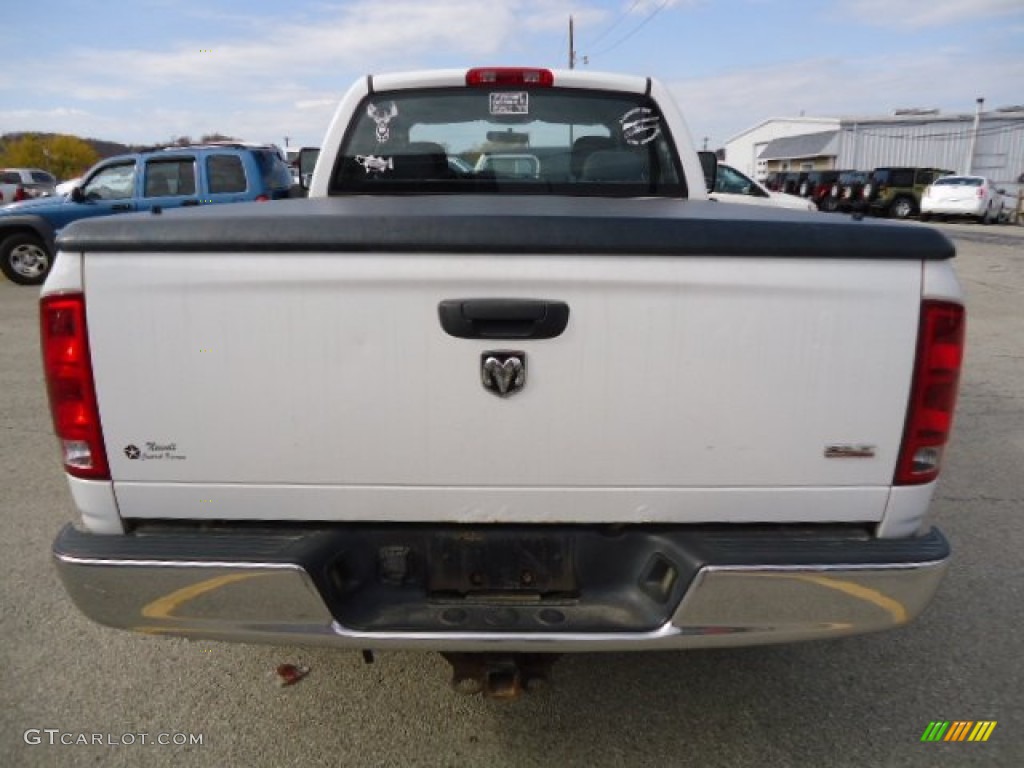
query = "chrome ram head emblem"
{"x": 503, "y": 373}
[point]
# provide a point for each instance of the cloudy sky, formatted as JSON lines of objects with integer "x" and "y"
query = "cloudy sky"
{"x": 144, "y": 71}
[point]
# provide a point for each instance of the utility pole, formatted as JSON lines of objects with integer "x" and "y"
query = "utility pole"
{"x": 969, "y": 160}
{"x": 572, "y": 51}
{"x": 286, "y": 139}
{"x": 572, "y": 65}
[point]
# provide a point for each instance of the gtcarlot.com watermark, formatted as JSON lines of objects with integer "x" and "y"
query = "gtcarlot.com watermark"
{"x": 57, "y": 737}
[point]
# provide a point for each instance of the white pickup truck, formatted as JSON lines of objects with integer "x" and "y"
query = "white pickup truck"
{"x": 505, "y": 417}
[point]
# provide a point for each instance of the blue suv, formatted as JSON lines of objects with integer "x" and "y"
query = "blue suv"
{"x": 168, "y": 178}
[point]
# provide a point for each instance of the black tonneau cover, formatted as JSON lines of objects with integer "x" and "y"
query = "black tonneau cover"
{"x": 508, "y": 225}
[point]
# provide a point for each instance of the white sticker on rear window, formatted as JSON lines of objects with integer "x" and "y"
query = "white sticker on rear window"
{"x": 383, "y": 116}
{"x": 374, "y": 164}
{"x": 640, "y": 126}
{"x": 506, "y": 103}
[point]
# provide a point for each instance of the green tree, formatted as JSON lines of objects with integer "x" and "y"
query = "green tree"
{"x": 63, "y": 156}
{"x": 25, "y": 151}
{"x": 70, "y": 156}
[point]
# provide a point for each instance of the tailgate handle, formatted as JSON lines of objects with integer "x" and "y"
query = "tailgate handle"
{"x": 503, "y": 318}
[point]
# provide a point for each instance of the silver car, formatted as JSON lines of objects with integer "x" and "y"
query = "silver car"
{"x": 17, "y": 184}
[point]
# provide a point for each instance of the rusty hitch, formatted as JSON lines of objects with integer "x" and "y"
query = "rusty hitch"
{"x": 500, "y": 676}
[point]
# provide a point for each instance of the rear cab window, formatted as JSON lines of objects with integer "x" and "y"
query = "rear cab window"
{"x": 514, "y": 140}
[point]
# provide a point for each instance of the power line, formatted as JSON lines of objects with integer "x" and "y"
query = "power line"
{"x": 633, "y": 31}
{"x": 616, "y": 23}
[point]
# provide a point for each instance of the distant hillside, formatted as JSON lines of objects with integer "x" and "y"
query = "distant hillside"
{"x": 103, "y": 148}
{"x": 107, "y": 149}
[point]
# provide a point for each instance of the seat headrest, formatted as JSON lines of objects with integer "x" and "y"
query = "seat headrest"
{"x": 614, "y": 165}
{"x": 420, "y": 160}
{"x": 583, "y": 147}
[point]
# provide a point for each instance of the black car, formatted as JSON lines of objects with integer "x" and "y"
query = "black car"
{"x": 785, "y": 181}
{"x": 818, "y": 187}
{"x": 773, "y": 181}
{"x": 848, "y": 190}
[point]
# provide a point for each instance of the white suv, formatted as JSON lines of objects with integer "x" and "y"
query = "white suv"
{"x": 18, "y": 184}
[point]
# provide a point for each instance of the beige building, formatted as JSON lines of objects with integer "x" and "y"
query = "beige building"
{"x": 810, "y": 152}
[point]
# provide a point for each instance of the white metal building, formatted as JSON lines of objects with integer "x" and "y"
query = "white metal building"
{"x": 983, "y": 143}
{"x": 743, "y": 149}
{"x": 995, "y": 149}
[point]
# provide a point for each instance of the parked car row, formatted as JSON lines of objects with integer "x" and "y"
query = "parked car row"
{"x": 898, "y": 192}
{"x": 224, "y": 172}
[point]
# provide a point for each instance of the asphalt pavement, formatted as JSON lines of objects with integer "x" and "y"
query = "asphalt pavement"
{"x": 862, "y": 701}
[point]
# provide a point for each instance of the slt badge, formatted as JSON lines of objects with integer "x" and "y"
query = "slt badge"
{"x": 503, "y": 373}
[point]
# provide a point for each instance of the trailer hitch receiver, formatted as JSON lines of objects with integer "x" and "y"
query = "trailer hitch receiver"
{"x": 500, "y": 676}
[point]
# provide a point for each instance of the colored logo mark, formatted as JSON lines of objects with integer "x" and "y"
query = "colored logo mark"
{"x": 958, "y": 730}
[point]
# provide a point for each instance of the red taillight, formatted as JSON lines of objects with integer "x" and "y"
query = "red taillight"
{"x": 20, "y": 194}
{"x": 510, "y": 76}
{"x": 67, "y": 366}
{"x": 940, "y": 348}
{"x": 262, "y": 198}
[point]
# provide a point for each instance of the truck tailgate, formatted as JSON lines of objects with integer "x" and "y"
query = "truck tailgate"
{"x": 321, "y": 386}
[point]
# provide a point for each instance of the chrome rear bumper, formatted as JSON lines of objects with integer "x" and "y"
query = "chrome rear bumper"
{"x": 271, "y": 589}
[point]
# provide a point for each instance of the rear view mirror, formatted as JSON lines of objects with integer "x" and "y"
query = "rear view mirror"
{"x": 509, "y": 137}
{"x": 307, "y": 164}
{"x": 77, "y": 195}
{"x": 709, "y": 164}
